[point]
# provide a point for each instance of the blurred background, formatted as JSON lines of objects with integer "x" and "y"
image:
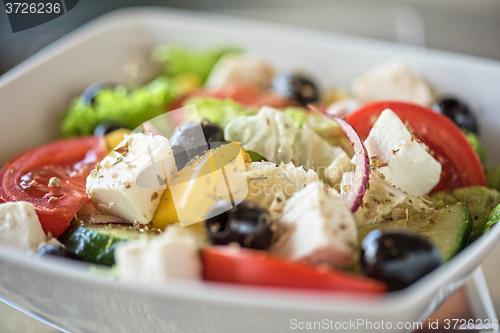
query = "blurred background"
{"x": 465, "y": 26}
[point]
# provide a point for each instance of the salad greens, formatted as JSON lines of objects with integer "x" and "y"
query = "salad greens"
{"x": 493, "y": 177}
{"x": 325, "y": 128}
{"x": 183, "y": 70}
{"x": 216, "y": 111}
{"x": 179, "y": 61}
{"x": 481, "y": 201}
{"x": 277, "y": 137}
{"x": 289, "y": 146}
{"x": 129, "y": 108}
{"x": 270, "y": 133}
{"x": 476, "y": 144}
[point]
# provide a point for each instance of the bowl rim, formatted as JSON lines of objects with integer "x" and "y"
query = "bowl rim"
{"x": 424, "y": 290}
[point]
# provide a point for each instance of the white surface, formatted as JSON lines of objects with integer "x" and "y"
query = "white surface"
{"x": 479, "y": 298}
{"x": 115, "y": 48}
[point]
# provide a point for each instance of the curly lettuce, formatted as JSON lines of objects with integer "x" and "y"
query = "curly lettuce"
{"x": 182, "y": 61}
{"x": 273, "y": 135}
{"x": 129, "y": 108}
{"x": 327, "y": 129}
{"x": 270, "y": 133}
{"x": 217, "y": 111}
{"x": 476, "y": 144}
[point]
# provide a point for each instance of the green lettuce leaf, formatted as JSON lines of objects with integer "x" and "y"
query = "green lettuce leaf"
{"x": 273, "y": 135}
{"x": 130, "y": 108}
{"x": 327, "y": 129}
{"x": 180, "y": 60}
{"x": 217, "y": 111}
{"x": 270, "y": 133}
{"x": 493, "y": 177}
{"x": 476, "y": 144}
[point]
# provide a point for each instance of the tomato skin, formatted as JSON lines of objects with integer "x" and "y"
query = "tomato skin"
{"x": 70, "y": 160}
{"x": 460, "y": 162}
{"x": 246, "y": 94}
{"x": 249, "y": 266}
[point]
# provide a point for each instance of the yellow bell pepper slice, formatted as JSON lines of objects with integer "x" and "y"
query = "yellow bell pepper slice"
{"x": 218, "y": 175}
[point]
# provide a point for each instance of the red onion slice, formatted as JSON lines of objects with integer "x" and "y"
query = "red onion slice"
{"x": 361, "y": 174}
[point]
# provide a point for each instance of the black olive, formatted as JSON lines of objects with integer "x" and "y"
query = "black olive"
{"x": 246, "y": 224}
{"x": 398, "y": 258}
{"x": 88, "y": 96}
{"x": 458, "y": 112}
{"x": 296, "y": 87}
{"x": 189, "y": 133}
{"x": 107, "y": 127}
{"x": 188, "y": 141}
{"x": 58, "y": 251}
{"x": 181, "y": 156}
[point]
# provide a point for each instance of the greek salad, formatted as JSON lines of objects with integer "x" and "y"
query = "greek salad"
{"x": 224, "y": 169}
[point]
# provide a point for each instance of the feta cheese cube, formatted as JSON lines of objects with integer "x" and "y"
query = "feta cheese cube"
{"x": 130, "y": 181}
{"x": 403, "y": 161}
{"x": 319, "y": 227}
{"x": 20, "y": 227}
{"x": 173, "y": 254}
{"x": 392, "y": 80}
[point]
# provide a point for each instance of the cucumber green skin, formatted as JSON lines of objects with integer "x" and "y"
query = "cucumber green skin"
{"x": 450, "y": 232}
{"x": 93, "y": 244}
{"x": 480, "y": 200}
{"x": 492, "y": 219}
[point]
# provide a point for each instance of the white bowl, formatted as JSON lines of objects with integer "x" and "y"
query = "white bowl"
{"x": 116, "y": 48}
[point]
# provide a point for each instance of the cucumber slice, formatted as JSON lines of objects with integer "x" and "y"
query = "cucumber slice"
{"x": 96, "y": 244}
{"x": 449, "y": 228}
{"x": 480, "y": 201}
{"x": 492, "y": 218}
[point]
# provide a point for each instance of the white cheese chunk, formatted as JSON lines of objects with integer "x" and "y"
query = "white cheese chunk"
{"x": 392, "y": 80}
{"x": 172, "y": 255}
{"x": 130, "y": 181}
{"x": 270, "y": 185}
{"x": 404, "y": 162}
{"x": 237, "y": 69}
{"x": 320, "y": 227}
{"x": 20, "y": 227}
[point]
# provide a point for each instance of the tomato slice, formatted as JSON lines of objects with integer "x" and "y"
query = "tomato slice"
{"x": 246, "y": 94}
{"x": 460, "y": 164}
{"x": 26, "y": 178}
{"x": 248, "y": 266}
